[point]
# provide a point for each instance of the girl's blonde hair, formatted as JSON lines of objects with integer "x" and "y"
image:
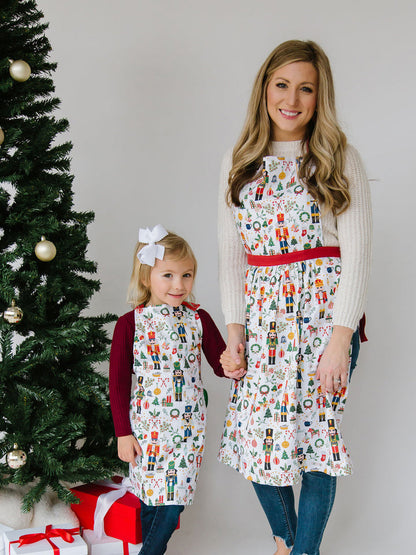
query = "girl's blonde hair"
{"x": 176, "y": 248}
{"x": 322, "y": 167}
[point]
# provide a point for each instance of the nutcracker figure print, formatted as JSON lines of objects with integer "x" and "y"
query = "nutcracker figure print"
{"x": 268, "y": 448}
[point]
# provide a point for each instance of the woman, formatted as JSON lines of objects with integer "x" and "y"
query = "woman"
{"x": 295, "y": 233}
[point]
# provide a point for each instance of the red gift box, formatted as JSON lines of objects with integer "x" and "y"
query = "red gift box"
{"x": 122, "y": 520}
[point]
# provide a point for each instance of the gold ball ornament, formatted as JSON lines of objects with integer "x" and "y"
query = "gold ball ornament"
{"x": 13, "y": 314}
{"x": 45, "y": 250}
{"x": 1, "y": 136}
{"x": 16, "y": 458}
{"x": 20, "y": 70}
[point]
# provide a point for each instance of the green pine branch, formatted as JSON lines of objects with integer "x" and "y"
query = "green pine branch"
{"x": 53, "y": 402}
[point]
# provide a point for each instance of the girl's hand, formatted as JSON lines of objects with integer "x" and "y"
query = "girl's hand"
{"x": 128, "y": 449}
{"x": 235, "y": 349}
{"x": 333, "y": 367}
{"x": 229, "y": 366}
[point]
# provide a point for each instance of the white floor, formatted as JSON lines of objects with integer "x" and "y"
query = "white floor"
{"x": 353, "y": 528}
{"x": 211, "y": 542}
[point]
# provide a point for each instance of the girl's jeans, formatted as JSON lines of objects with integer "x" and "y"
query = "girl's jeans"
{"x": 158, "y": 524}
{"x": 303, "y": 532}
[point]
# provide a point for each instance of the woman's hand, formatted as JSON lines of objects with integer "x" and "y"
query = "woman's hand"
{"x": 128, "y": 449}
{"x": 333, "y": 367}
{"x": 235, "y": 349}
{"x": 230, "y": 368}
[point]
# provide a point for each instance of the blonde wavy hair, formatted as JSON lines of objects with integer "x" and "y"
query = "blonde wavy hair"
{"x": 323, "y": 161}
{"x": 176, "y": 248}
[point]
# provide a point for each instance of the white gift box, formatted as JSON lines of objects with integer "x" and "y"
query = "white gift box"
{"x": 3, "y": 528}
{"x": 11, "y": 542}
{"x": 108, "y": 545}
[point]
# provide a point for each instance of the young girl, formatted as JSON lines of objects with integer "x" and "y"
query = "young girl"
{"x": 161, "y": 426}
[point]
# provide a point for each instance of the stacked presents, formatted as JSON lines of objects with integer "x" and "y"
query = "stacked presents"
{"x": 109, "y": 517}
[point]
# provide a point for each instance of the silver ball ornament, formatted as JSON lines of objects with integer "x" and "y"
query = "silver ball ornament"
{"x": 13, "y": 314}
{"x": 20, "y": 70}
{"x": 45, "y": 250}
{"x": 16, "y": 458}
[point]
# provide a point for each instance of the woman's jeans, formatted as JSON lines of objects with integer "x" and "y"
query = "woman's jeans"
{"x": 303, "y": 532}
{"x": 158, "y": 524}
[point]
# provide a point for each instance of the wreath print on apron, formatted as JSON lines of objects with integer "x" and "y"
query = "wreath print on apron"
{"x": 278, "y": 423}
{"x": 167, "y": 409}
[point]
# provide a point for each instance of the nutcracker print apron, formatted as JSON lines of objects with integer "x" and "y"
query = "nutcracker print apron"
{"x": 278, "y": 422}
{"x": 167, "y": 409}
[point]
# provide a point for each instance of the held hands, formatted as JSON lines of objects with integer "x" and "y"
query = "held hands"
{"x": 128, "y": 449}
{"x": 234, "y": 366}
{"x": 232, "y": 359}
{"x": 333, "y": 367}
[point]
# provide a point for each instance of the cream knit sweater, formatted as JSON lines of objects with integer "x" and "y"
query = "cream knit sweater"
{"x": 351, "y": 231}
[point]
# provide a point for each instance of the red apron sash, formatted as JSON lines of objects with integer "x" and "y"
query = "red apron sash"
{"x": 290, "y": 257}
{"x": 298, "y": 256}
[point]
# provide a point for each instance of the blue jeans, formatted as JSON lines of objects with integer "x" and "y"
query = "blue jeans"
{"x": 158, "y": 524}
{"x": 303, "y": 532}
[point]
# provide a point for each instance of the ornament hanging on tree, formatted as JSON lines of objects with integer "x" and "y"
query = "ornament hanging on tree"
{"x": 45, "y": 250}
{"x": 19, "y": 70}
{"x": 1, "y": 136}
{"x": 16, "y": 458}
{"x": 13, "y": 314}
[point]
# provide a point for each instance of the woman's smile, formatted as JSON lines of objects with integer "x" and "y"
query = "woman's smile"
{"x": 289, "y": 114}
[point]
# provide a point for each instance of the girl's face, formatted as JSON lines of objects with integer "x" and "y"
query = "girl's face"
{"x": 291, "y": 98}
{"x": 171, "y": 281}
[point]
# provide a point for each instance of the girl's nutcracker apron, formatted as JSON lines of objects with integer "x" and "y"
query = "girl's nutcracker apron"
{"x": 167, "y": 410}
{"x": 278, "y": 422}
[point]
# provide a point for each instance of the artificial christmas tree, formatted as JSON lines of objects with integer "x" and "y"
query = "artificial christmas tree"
{"x": 54, "y": 410}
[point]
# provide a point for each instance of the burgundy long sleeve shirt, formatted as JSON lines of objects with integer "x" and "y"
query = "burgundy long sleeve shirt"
{"x": 121, "y": 364}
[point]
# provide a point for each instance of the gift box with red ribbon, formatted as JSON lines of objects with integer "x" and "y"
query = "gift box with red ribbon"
{"x": 108, "y": 546}
{"x": 3, "y": 528}
{"x": 109, "y": 508}
{"x": 122, "y": 519}
{"x": 56, "y": 539}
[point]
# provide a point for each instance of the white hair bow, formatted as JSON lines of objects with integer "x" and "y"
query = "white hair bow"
{"x": 151, "y": 251}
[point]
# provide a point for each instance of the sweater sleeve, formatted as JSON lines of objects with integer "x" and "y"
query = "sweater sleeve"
{"x": 232, "y": 256}
{"x": 121, "y": 369}
{"x": 355, "y": 234}
{"x": 212, "y": 342}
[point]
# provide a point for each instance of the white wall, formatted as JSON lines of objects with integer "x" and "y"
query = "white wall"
{"x": 155, "y": 91}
